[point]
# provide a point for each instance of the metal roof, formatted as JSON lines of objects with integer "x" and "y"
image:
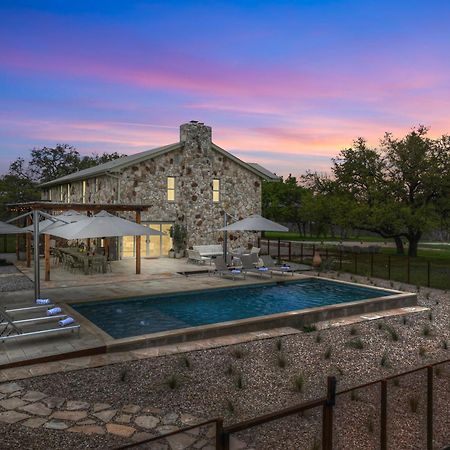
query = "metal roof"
{"x": 117, "y": 164}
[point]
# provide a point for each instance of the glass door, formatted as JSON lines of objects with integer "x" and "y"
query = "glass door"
{"x": 151, "y": 246}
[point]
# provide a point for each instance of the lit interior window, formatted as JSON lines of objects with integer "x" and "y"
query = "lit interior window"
{"x": 68, "y": 193}
{"x": 61, "y": 193}
{"x": 216, "y": 190}
{"x": 171, "y": 189}
{"x": 83, "y": 192}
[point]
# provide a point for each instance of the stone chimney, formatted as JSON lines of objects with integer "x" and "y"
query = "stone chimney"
{"x": 196, "y": 137}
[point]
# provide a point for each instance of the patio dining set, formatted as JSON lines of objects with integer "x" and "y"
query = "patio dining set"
{"x": 74, "y": 259}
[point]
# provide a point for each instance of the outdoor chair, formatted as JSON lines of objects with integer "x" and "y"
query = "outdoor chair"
{"x": 223, "y": 270}
{"x": 195, "y": 257}
{"x": 270, "y": 264}
{"x": 249, "y": 263}
{"x": 255, "y": 250}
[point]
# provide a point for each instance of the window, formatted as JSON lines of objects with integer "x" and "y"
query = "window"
{"x": 68, "y": 193}
{"x": 61, "y": 193}
{"x": 216, "y": 190}
{"x": 171, "y": 189}
{"x": 83, "y": 192}
{"x": 49, "y": 195}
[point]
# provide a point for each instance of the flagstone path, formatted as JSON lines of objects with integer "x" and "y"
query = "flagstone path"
{"x": 34, "y": 410}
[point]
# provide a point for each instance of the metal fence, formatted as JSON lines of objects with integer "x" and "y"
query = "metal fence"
{"x": 221, "y": 438}
{"x": 365, "y": 261}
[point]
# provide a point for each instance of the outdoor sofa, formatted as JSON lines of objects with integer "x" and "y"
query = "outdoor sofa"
{"x": 209, "y": 250}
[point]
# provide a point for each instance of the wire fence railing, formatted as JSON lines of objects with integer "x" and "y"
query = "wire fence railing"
{"x": 366, "y": 261}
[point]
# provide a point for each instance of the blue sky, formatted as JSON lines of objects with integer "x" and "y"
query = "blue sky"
{"x": 286, "y": 84}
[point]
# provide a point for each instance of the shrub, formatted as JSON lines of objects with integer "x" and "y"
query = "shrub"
{"x": 384, "y": 360}
{"x": 238, "y": 353}
{"x": 279, "y": 344}
{"x": 124, "y": 375}
{"x": 327, "y": 353}
{"x": 299, "y": 383}
{"x": 356, "y": 343}
{"x": 392, "y": 333}
{"x": 309, "y": 328}
{"x": 281, "y": 361}
{"x": 185, "y": 361}
{"x": 413, "y": 404}
{"x": 172, "y": 382}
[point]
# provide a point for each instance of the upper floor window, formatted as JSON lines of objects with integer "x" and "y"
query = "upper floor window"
{"x": 68, "y": 193}
{"x": 83, "y": 191}
{"x": 216, "y": 190}
{"x": 171, "y": 189}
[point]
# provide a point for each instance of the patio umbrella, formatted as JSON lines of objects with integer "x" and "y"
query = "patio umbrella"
{"x": 61, "y": 219}
{"x": 254, "y": 222}
{"x": 7, "y": 228}
{"x": 102, "y": 225}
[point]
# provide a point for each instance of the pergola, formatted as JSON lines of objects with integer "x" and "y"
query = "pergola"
{"x": 37, "y": 206}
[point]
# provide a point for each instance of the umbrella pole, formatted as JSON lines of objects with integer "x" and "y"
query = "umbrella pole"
{"x": 225, "y": 236}
{"x": 37, "y": 281}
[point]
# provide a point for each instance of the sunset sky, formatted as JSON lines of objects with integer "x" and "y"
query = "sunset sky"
{"x": 283, "y": 83}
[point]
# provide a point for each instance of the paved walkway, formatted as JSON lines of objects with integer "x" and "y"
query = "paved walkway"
{"x": 33, "y": 409}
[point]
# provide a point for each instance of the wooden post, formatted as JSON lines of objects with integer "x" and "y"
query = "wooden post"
{"x": 268, "y": 246}
{"x": 383, "y": 416}
{"x": 138, "y": 245}
{"x": 327, "y": 415}
{"x": 47, "y": 256}
{"x": 28, "y": 243}
{"x": 17, "y": 246}
{"x": 106, "y": 241}
{"x": 430, "y": 408}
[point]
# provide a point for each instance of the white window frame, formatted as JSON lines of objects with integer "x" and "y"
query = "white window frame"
{"x": 169, "y": 189}
{"x": 216, "y": 190}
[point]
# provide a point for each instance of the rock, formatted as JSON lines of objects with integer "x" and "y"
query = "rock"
{"x": 123, "y": 418}
{"x": 236, "y": 444}
{"x": 180, "y": 441}
{"x": 147, "y": 422}
{"x": 200, "y": 444}
{"x": 166, "y": 429}
{"x": 33, "y": 396}
{"x": 142, "y": 436}
{"x": 12, "y": 416}
{"x": 188, "y": 419}
{"x": 100, "y": 406}
{"x": 106, "y": 415}
{"x": 38, "y": 409}
{"x": 87, "y": 429}
{"x": 131, "y": 409}
{"x": 56, "y": 425}
{"x": 9, "y": 388}
{"x": 12, "y": 403}
{"x": 87, "y": 422}
{"x": 169, "y": 419}
{"x": 120, "y": 430}
{"x": 53, "y": 402}
{"x": 151, "y": 410}
{"x": 76, "y": 405}
{"x": 74, "y": 416}
{"x": 34, "y": 422}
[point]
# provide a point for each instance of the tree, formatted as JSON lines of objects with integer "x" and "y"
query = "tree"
{"x": 397, "y": 191}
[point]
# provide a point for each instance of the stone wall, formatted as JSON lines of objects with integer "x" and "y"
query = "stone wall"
{"x": 194, "y": 167}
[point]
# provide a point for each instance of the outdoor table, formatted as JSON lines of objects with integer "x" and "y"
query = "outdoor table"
{"x": 86, "y": 259}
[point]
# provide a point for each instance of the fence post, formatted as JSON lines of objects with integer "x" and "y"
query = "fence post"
{"x": 371, "y": 264}
{"x": 430, "y": 408}
{"x": 327, "y": 415}
{"x": 408, "y": 270}
{"x": 383, "y": 416}
{"x": 279, "y": 250}
{"x": 428, "y": 273}
{"x": 290, "y": 250}
{"x": 268, "y": 246}
{"x": 389, "y": 267}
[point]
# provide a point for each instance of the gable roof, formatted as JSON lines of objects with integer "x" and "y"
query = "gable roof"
{"x": 121, "y": 163}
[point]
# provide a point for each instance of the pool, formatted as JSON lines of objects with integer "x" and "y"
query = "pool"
{"x": 139, "y": 316}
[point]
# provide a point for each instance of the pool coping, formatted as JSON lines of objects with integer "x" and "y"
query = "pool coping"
{"x": 295, "y": 319}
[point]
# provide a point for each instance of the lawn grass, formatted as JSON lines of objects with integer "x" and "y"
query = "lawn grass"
{"x": 292, "y": 236}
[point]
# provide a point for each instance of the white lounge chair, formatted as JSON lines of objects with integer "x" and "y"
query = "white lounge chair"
{"x": 223, "y": 270}
{"x": 270, "y": 264}
{"x": 195, "y": 257}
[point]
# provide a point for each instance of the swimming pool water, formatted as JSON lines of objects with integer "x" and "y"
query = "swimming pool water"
{"x": 133, "y": 317}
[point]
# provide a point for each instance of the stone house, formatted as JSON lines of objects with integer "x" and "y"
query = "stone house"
{"x": 191, "y": 182}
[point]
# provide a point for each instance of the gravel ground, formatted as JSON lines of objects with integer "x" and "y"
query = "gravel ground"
{"x": 11, "y": 279}
{"x": 239, "y": 382}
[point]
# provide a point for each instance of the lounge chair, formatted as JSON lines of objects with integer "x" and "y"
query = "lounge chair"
{"x": 223, "y": 270}
{"x": 270, "y": 264}
{"x": 195, "y": 257}
{"x": 11, "y": 329}
{"x": 249, "y": 265}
